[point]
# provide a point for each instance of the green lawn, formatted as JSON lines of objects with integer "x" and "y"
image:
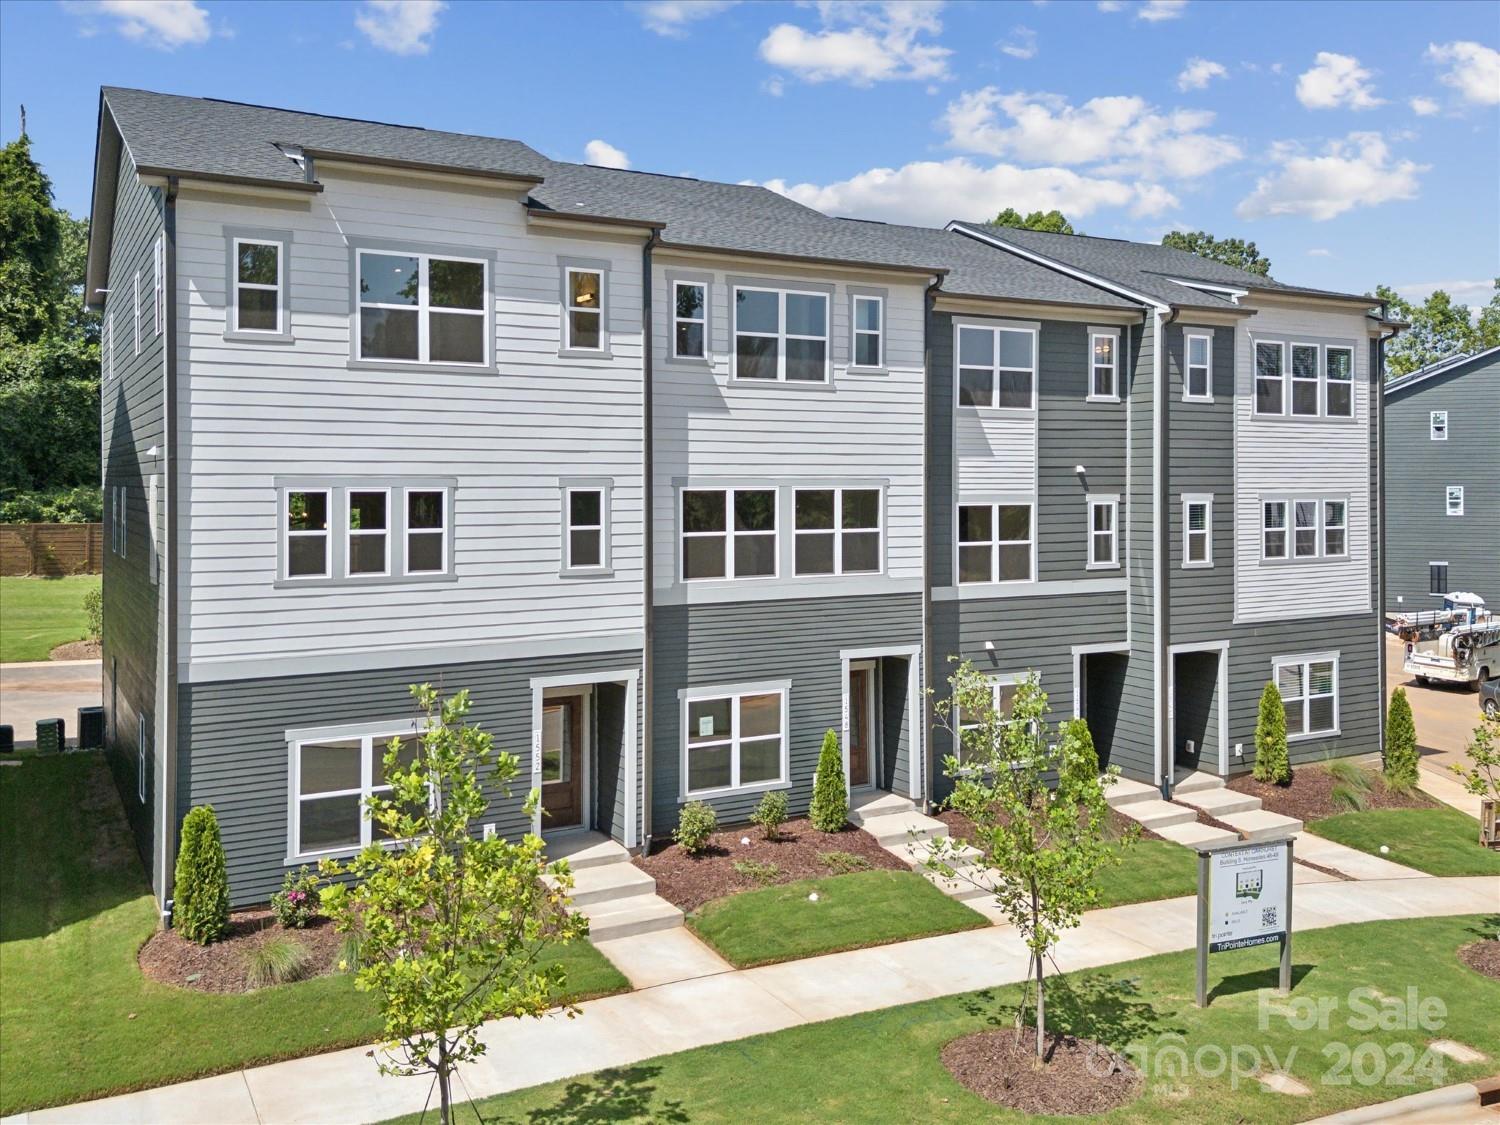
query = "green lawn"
{"x": 863, "y": 908}
{"x": 79, "y": 1019}
{"x": 884, "y": 1066}
{"x": 38, "y": 614}
{"x": 1439, "y": 841}
{"x": 1151, "y": 870}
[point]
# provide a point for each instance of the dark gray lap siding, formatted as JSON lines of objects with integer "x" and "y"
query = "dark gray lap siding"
{"x": 234, "y": 750}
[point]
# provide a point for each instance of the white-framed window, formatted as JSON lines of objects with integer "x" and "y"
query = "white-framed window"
{"x": 868, "y": 346}
{"x": 780, "y": 334}
{"x": 1437, "y": 425}
{"x": 1305, "y": 529}
{"x": 305, "y": 526}
{"x": 141, "y": 758}
{"x": 1197, "y": 382}
{"x": 1437, "y": 578}
{"x": 158, "y": 284}
{"x": 1270, "y": 378}
{"x": 1305, "y": 380}
{"x": 586, "y": 533}
{"x": 734, "y": 739}
{"x": 1335, "y": 528}
{"x": 259, "y": 275}
{"x": 1454, "y": 498}
{"x": 996, "y": 367}
{"x": 1338, "y": 381}
{"x": 423, "y": 308}
{"x": 1309, "y": 687}
{"x": 689, "y": 320}
{"x": 1197, "y": 530}
{"x": 124, "y": 520}
{"x": 368, "y": 548}
{"x": 1104, "y": 366}
{"x": 153, "y": 563}
{"x": 1273, "y": 529}
{"x": 728, "y": 533}
{"x": 137, "y": 312}
{"x": 332, "y": 775}
{"x": 995, "y": 542}
{"x": 426, "y": 530}
{"x": 1005, "y": 688}
{"x": 836, "y": 531}
{"x": 583, "y": 320}
{"x": 1104, "y": 533}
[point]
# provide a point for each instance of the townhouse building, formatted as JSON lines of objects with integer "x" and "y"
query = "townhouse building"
{"x": 675, "y": 476}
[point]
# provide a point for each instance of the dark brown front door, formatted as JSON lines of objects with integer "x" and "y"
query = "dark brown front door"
{"x": 562, "y": 762}
{"x": 861, "y": 698}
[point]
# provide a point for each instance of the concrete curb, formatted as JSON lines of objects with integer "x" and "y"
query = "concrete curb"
{"x": 1464, "y": 1093}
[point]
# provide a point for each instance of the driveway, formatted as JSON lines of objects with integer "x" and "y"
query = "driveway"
{"x": 53, "y": 689}
{"x": 1445, "y": 716}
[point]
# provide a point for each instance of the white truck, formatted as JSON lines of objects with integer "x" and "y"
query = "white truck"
{"x": 1462, "y": 654}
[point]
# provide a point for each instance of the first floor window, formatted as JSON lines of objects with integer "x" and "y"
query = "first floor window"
{"x": 735, "y": 740}
{"x": 585, "y": 530}
{"x": 1338, "y": 386}
{"x": 1335, "y": 527}
{"x": 996, "y": 367}
{"x": 1197, "y": 383}
{"x": 1437, "y": 578}
{"x": 419, "y": 308}
{"x": 837, "y": 531}
{"x": 728, "y": 533}
{"x": 1269, "y": 379}
{"x": 585, "y": 312}
{"x": 1309, "y": 693}
{"x": 1455, "y": 499}
{"x": 1005, "y": 689}
{"x": 869, "y": 328}
{"x": 332, "y": 778}
{"x": 1197, "y": 530}
{"x": 306, "y": 526}
{"x": 1104, "y": 378}
{"x": 1103, "y": 533}
{"x": 258, "y": 280}
{"x": 369, "y": 536}
{"x": 1305, "y": 542}
{"x": 1273, "y": 529}
{"x": 426, "y": 531}
{"x": 689, "y": 320}
{"x": 994, "y": 543}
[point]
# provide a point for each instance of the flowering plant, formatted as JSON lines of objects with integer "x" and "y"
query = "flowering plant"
{"x": 296, "y": 904}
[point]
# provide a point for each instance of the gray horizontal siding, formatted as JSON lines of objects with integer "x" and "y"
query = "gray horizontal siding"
{"x": 1135, "y": 734}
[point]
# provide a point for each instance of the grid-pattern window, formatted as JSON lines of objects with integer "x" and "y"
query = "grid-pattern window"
{"x": 994, "y": 542}
{"x": 1309, "y": 694}
{"x": 1104, "y": 366}
{"x": 142, "y": 758}
{"x": 583, "y": 324}
{"x": 996, "y": 367}
{"x": 137, "y": 306}
{"x": 780, "y": 334}
{"x": 426, "y": 531}
{"x": 369, "y": 546}
{"x": 421, "y": 308}
{"x": 1273, "y": 529}
{"x": 585, "y": 533}
{"x": 836, "y": 531}
{"x": 1437, "y": 578}
{"x": 1198, "y": 381}
{"x": 1453, "y": 497}
{"x": 258, "y": 278}
{"x": 1104, "y": 533}
{"x": 1335, "y": 528}
{"x": 1305, "y": 379}
{"x": 1437, "y": 425}
{"x": 734, "y": 740}
{"x": 305, "y": 526}
{"x": 158, "y": 283}
{"x": 1338, "y": 382}
{"x": 1305, "y": 530}
{"x": 689, "y": 320}
{"x": 869, "y": 331}
{"x": 332, "y": 778}
{"x": 1005, "y": 689}
{"x": 1270, "y": 382}
{"x": 1305, "y": 527}
{"x": 728, "y": 533}
{"x": 1197, "y": 531}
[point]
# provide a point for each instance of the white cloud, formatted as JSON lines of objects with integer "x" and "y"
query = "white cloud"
{"x": 1319, "y": 252}
{"x": 1334, "y": 81}
{"x": 862, "y": 43}
{"x": 1110, "y": 5}
{"x": 1423, "y": 107}
{"x": 1472, "y": 69}
{"x": 1199, "y": 73}
{"x": 605, "y": 155}
{"x": 774, "y": 85}
{"x": 403, "y": 27}
{"x": 1473, "y": 293}
{"x": 1125, "y": 135}
{"x": 931, "y": 192}
{"x": 1357, "y": 171}
{"x": 673, "y": 18}
{"x": 1155, "y": 11}
{"x": 1021, "y": 45}
{"x": 163, "y": 24}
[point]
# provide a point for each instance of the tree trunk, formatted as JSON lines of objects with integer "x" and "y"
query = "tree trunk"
{"x": 445, "y": 1092}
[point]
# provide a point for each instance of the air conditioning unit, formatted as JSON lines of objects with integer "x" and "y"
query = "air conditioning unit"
{"x": 51, "y": 736}
{"x": 90, "y": 728}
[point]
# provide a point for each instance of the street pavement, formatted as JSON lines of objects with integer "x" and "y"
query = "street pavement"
{"x": 48, "y": 689}
{"x": 1445, "y": 715}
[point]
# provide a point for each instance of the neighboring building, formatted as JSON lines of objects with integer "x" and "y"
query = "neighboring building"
{"x": 390, "y": 421}
{"x": 1442, "y": 498}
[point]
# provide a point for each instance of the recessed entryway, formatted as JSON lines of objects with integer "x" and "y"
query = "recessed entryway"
{"x": 583, "y": 754}
{"x": 882, "y": 720}
{"x": 1198, "y": 716}
{"x": 565, "y": 759}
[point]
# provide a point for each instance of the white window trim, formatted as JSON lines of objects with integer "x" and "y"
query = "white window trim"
{"x": 1437, "y": 425}
{"x": 1255, "y": 378}
{"x": 1112, "y": 503}
{"x": 234, "y": 298}
{"x": 1113, "y": 365}
{"x": 124, "y": 521}
{"x": 285, "y": 520}
{"x": 152, "y": 559}
{"x": 729, "y": 534}
{"x": 350, "y": 534}
{"x": 446, "y": 532}
{"x": 1319, "y": 526}
{"x": 1278, "y": 662}
{"x": 1188, "y": 366}
{"x": 367, "y": 733}
{"x": 995, "y": 542}
{"x": 733, "y": 692}
{"x": 1316, "y": 527}
{"x": 1285, "y": 528}
{"x": 855, "y": 332}
{"x": 1292, "y": 379}
{"x": 781, "y": 335}
{"x": 1189, "y": 500}
{"x": 997, "y": 681}
{"x": 569, "y": 308}
{"x": 422, "y": 308}
{"x": 996, "y": 368}
{"x": 1452, "y": 492}
{"x": 140, "y": 758}
{"x": 602, "y": 527}
{"x": 838, "y": 530}
{"x": 680, "y": 283}
{"x": 1324, "y": 526}
{"x": 1437, "y": 593}
{"x": 159, "y": 282}
{"x": 137, "y": 312}
{"x": 1328, "y": 350}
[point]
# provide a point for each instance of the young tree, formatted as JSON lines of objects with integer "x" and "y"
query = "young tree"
{"x": 830, "y": 800}
{"x": 1234, "y": 252}
{"x": 1483, "y": 778}
{"x": 200, "y": 883}
{"x": 1041, "y": 848}
{"x": 1273, "y": 764}
{"x": 1400, "y": 743}
{"x": 1053, "y": 222}
{"x": 450, "y": 924}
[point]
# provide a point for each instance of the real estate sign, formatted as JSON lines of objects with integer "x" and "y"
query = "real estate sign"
{"x": 1244, "y": 900}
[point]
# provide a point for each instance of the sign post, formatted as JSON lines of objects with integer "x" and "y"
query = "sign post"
{"x": 1244, "y": 900}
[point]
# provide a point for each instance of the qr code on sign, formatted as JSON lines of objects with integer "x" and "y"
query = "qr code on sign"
{"x": 1268, "y": 916}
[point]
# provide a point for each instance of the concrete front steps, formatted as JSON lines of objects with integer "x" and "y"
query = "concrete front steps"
{"x": 1177, "y": 819}
{"x": 618, "y": 898}
{"x": 908, "y": 835}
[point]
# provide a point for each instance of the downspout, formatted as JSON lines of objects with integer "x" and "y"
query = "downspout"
{"x": 168, "y": 568}
{"x": 1161, "y": 598}
{"x": 648, "y": 537}
{"x": 922, "y": 739}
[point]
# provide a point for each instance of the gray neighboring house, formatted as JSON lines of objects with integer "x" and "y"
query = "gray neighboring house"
{"x": 676, "y": 476}
{"x": 1442, "y": 497}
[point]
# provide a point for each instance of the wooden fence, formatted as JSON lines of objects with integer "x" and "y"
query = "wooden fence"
{"x": 51, "y": 549}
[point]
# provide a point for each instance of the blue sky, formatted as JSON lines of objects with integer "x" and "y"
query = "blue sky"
{"x": 1355, "y": 143}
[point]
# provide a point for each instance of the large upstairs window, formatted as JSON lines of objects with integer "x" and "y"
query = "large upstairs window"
{"x": 423, "y": 308}
{"x": 780, "y": 334}
{"x": 996, "y": 367}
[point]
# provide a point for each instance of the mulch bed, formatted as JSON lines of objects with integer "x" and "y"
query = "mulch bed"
{"x": 76, "y": 650}
{"x": 688, "y": 881}
{"x": 223, "y": 966}
{"x": 1482, "y": 957}
{"x": 1310, "y": 795}
{"x": 1078, "y": 1077}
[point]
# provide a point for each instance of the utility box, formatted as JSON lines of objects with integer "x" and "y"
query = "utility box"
{"x": 91, "y": 728}
{"x": 51, "y": 736}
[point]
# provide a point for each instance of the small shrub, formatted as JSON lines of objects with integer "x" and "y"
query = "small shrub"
{"x": 1345, "y": 772}
{"x": 1272, "y": 763}
{"x": 93, "y": 608}
{"x": 770, "y": 814}
{"x": 1081, "y": 759}
{"x": 695, "y": 824}
{"x": 1400, "y": 744}
{"x": 200, "y": 888}
{"x": 351, "y": 949}
{"x": 763, "y": 873}
{"x": 842, "y": 863}
{"x": 276, "y": 960}
{"x": 296, "y": 904}
{"x": 830, "y": 802}
{"x": 1350, "y": 798}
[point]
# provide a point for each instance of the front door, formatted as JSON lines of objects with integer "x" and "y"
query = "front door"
{"x": 562, "y": 762}
{"x": 861, "y": 723}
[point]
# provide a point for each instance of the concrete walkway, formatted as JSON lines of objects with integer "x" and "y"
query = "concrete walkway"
{"x": 1445, "y": 786}
{"x": 48, "y": 689}
{"x": 344, "y": 1086}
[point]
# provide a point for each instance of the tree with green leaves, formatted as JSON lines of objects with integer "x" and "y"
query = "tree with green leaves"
{"x": 450, "y": 924}
{"x": 200, "y": 881}
{"x": 830, "y": 799}
{"x": 1440, "y": 327}
{"x": 1234, "y": 252}
{"x": 1273, "y": 764}
{"x": 1400, "y": 744}
{"x": 1053, "y": 222}
{"x": 1041, "y": 847}
{"x": 1482, "y": 778}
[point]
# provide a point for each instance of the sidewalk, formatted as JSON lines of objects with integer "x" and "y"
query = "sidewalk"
{"x": 343, "y": 1086}
{"x": 1445, "y": 786}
